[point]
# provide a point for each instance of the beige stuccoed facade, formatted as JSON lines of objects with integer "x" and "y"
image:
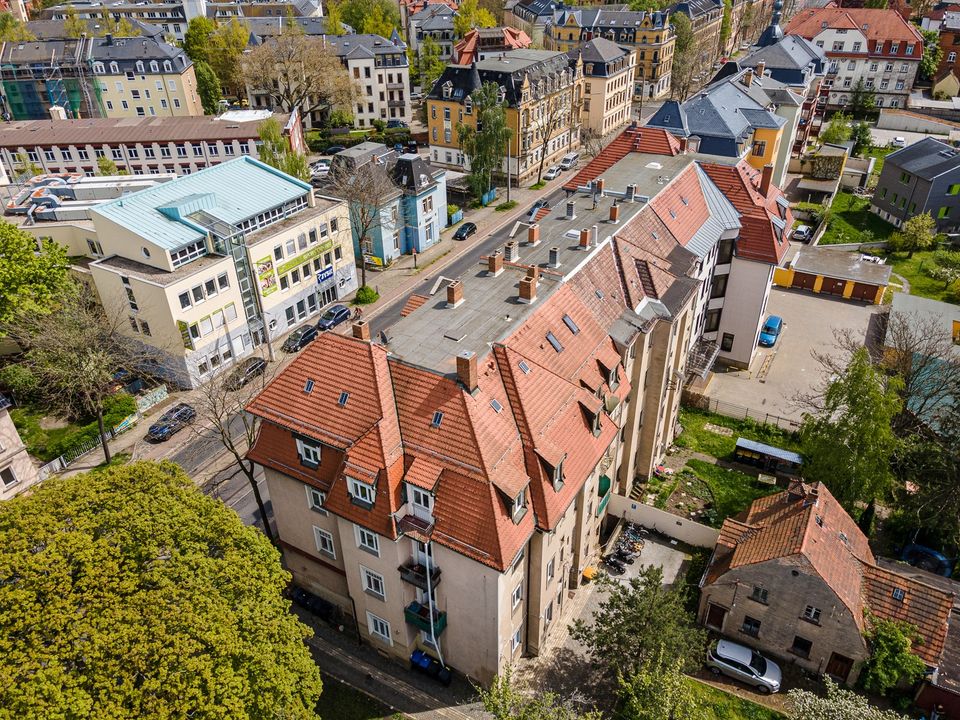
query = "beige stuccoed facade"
{"x": 17, "y": 471}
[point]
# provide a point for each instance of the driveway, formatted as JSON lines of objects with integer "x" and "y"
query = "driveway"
{"x": 779, "y": 374}
{"x": 882, "y": 138}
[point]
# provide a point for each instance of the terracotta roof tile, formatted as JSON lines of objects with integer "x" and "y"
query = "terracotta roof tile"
{"x": 412, "y": 303}
{"x": 881, "y": 25}
{"x": 652, "y": 141}
{"x": 681, "y": 205}
{"x": 423, "y": 472}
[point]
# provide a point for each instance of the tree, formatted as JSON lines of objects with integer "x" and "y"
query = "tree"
{"x": 876, "y": 4}
{"x": 619, "y": 637}
{"x": 862, "y": 139}
{"x": 591, "y": 141}
{"x": 470, "y": 15}
{"x": 73, "y": 25}
{"x": 30, "y": 281}
{"x": 227, "y": 45}
{"x": 108, "y": 25}
{"x": 838, "y": 130}
{"x": 891, "y": 657}
{"x": 848, "y": 441}
{"x": 504, "y": 702}
{"x": 946, "y": 267}
{"x": 430, "y": 64}
{"x": 335, "y": 20}
{"x": 208, "y": 87}
{"x": 658, "y": 690}
{"x": 12, "y": 30}
{"x": 107, "y": 167}
{"x": 648, "y": 5}
{"x": 276, "y": 152}
{"x": 555, "y": 115}
{"x": 297, "y": 71}
{"x": 684, "y": 56}
{"x": 839, "y": 704}
{"x": 917, "y": 233}
{"x": 485, "y": 147}
{"x": 196, "y": 41}
{"x": 128, "y": 593}
{"x": 378, "y": 22}
{"x": 364, "y": 190}
{"x": 27, "y": 168}
{"x": 725, "y": 24}
{"x": 355, "y": 13}
{"x": 932, "y": 54}
{"x": 863, "y": 100}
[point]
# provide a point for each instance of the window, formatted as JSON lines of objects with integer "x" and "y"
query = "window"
{"x": 548, "y": 615}
{"x": 309, "y": 453}
{"x": 373, "y": 583}
{"x": 725, "y": 251}
{"x": 801, "y": 646}
{"x": 223, "y": 282}
{"x": 367, "y": 540}
{"x": 278, "y": 252}
{"x": 899, "y": 594}
{"x": 516, "y": 640}
{"x": 751, "y": 626}
{"x": 519, "y": 504}
{"x": 905, "y": 177}
{"x": 759, "y": 594}
{"x": 718, "y": 286}
{"x": 726, "y": 342}
{"x": 550, "y": 569}
{"x": 812, "y": 614}
{"x": 8, "y": 477}
{"x": 517, "y": 596}
{"x": 856, "y": 46}
{"x": 361, "y": 492}
{"x": 953, "y": 190}
{"x": 144, "y": 327}
{"x": 379, "y": 628}
{"x": 284, "y": 283}
{"x": 951, "y": 57}
{"x": 894, "y": 48}
{"x": 712, "y": 321}
{"x": 944, "y": 212}
{"x": 316, "y": 499}
{"x": 324, "y": 542}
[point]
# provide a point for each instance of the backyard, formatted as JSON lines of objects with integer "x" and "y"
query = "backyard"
{"x": 715, "y": 704}
{"x": 912, "y": 269}
{"x": 342, "y": 702}
{"x": 850, "y": 216}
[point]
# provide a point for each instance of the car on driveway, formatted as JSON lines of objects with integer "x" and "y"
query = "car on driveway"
{"x": 899, "y": 141}
{"x": 300, "y": 338}
{"x": 391, "y": 124}
{"x": 333, "y": 317}
{"x": 465, "y": 231}
{"x": 245, "y": 372}
{"x": 334, "y": 149}
{"x": 802, "y": 233}
{"x": 744, "y": 664}
{"x": 171, "y": 422}
{"x": 552, "y": 173}
{"x": 771, "y": 331}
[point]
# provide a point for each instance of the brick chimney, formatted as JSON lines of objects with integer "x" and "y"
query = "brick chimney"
{"x": 765, "y": 179}
{"x": 585, "y": 239}
{"x": 361, "y": 330}
{"x": 511, "y": 252}
{"x": 495, "y": 264}
{"x": 614, "y": 213}
{"x": 533, "y": 273}
{"x": 683, "y": 146}
{"x": 533, "y": 234}
{"x": 747, "y": 77}
{"x": 454, "y": 294}
{"x": 528, "y": 290}
{"x": 599, "y": 186}
{"x": 761, "y": 68}
{"x": 467, "y": 370}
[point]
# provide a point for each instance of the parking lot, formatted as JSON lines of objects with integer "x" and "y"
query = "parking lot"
{"x": 882, "y": 138}
{"x": 779, "y": 374}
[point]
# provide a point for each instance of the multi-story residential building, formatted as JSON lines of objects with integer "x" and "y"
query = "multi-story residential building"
{"x": 263, "y": 28}
{"x": 706, "y": 17}
{"x": 530, "y": 16}
{"x": 648, "y": 33}
{"x": 543, "y": 93}
{"x": 447, "y": 487}
{"x": 98, "y": 77}
{"x": 876, "y": 46}
{"x": 409, "y": 8}
{"x": 17, "y": 471}
{"x": 922, "y": 178}
{"x": 742, "y": 115}
{"x": 145, "y": 146}
{"x": 946, "y": 23}
{"x": 794, "y": 577}
{"x": 412, "y": 216}
{"x": 481, "y": 43}
{"x": 206, "y": 266}
{"x": 434, "y": 21}
{"x": 607, "y": 83}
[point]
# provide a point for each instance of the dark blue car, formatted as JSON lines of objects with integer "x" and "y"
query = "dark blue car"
{"x": 171, "y": 422}
{"x": 300, "y": 338}
{"x": 333, "y": 317}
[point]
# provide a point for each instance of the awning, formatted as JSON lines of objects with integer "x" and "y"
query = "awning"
{"x": 702, "y": 356}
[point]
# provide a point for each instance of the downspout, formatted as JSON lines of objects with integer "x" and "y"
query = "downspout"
{"x": 433, "y": 636}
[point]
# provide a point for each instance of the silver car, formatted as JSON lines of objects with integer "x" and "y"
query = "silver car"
{"x": 744, "y": 664}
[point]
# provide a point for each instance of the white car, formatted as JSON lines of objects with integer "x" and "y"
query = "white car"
{"x": 552, "y": 173}
{"x": 744, "y": 664}
{"x": 898, "y": 142}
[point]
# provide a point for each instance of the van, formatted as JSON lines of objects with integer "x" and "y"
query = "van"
{"x": 569, "y": 160}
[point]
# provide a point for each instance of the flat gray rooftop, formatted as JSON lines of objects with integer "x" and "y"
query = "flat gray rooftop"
{"x": 842, "y": 265}
{"x": 158, "y": 276}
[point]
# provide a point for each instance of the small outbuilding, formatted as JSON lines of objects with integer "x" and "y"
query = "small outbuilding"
{"x": 835, "y": 272}
{"x": 768, "y": 458}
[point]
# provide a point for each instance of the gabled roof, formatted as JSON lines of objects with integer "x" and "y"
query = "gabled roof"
{"x": 365, "y": 46}
{"x": 927, "y": 158}
{"x": 599, "y": 50}
{"x": 793, "y": 52}
{"x": 875, "y": 24}
{"x": 467, "y": 50}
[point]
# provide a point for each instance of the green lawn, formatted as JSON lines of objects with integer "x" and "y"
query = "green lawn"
{"x": 696, "y": 437}
{"x": 43, "y": 444}
{"x": 850, "y": 216}
{"x": 341, "y": 702}
{"x": 715, "y": 704}
{"x": 920, "y": 283}
{"x": 729, "y": 491}
{"x": 880, "y": 153}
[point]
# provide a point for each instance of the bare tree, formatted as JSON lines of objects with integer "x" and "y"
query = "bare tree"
{"x": 298, "y": 71}
{"x": 554, "y": 114}
{"x": 365, "y": 189}
{"x": 591, "y": 140}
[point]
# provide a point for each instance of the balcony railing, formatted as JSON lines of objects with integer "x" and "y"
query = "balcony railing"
{"x": 603, "y": 491}
{"x": 418, "y": 615}
{"x": 416, "y": 574}
{"x": 415, "y": 526}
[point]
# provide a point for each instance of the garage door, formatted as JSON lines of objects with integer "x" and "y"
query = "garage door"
{"x": 865, "y": 292}
{"x": 832, "y": 286}
{"x": 804, "y": 281}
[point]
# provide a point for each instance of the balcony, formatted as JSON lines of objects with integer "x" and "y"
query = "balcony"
{"x": 395, "y": 103}
{"x": 702, "y": 356}
{"x": 419, "y": 616}
{"x": 416, "y": 527}
{"x": 395, "y": 86}
{"x": 603, "y": 490}
{"x": 416, "y": 574}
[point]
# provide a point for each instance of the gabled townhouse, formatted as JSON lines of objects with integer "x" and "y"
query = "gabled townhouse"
{"x": 608, "y": 71}
{"x": 923, "y": 177}
{"x": 794, "y": 577}
{"x": 409, "y": 8}
{"x": 434, "y": 21}
{"x": 876, "y": 46}
{"x": 530, "y": 16}
{"x": 946, "y": 23}
{"x": 481, "y": 43}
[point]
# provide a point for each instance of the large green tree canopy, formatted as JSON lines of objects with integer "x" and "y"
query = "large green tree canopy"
{"x": 126, "y": 593}
{"x": 29, "y": 280}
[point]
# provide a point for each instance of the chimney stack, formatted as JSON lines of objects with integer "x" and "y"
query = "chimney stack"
{"x": 747, "y": 78}
{"x": 454, "y": 294}
{"x": 585, "y": 239}
{"x": 693, "y": 143}
{"x": 511, "y": 252}
{"x": 533, "y": 273}
{"x": 614, "y": 213}
{"x": 683, "y": 146}
{"x": 765, "y": 179}
{"x": 631, "y": 193}
{"x": 599, "y": 186}
{"x": 528, "y": 290}
{"x": 467, "y": 370}
{"x": 495, "y": 264}
{"x": 570, "y": 214}
{"x": 761, "y": 68}
{"x": 533, "y": 234}
{"x": 594, "y": 237}
{"x": 361, "y": 330}
{"x": 554, "y": 257}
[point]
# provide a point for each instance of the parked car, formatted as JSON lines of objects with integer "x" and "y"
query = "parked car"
{"x": 416, "y": 97}
{"x": 802, "y": 233}
{"x": 875, "y": 259}
{"x": 899, "y": 141}
{"x": 552, "y": 173}
{"x": 927, "y": 558}
{"x": 171, "y": 422}
{"x": 247, "y": 371}
{"x": 541, "y": 203}
{"x": 300, "y": 338}
{"x": 465, "y": 231}
{"x": 744, "y": 664}
{"x": 569, "y": 160}
{"x": 333, "y": 317}
{"x": 412, "y": 147}
{"x": 771, "y": 331}
{"x": 396, "y": 124}
{"x": 334, "y": 149}
{"x": 398, "y": 148}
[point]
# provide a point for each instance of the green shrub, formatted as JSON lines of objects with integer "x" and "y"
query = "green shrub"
{"x": 380, "y": 125}
{"x": 538, "y": 185}
{"x": 508, "y": 205}
{"x": 341, "y": 118}
{"x": 453, "y": 209}
{"x": 115, "y": 409}
{"x": 366, "y": 295}
{"x": 316, "y": 141}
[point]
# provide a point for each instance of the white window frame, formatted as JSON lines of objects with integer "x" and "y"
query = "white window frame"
{"x": 367, "y": 540}
{"x": 321, "y": 534}
{"x": 359, "y": 489}
{"x": 551, "y": 569}
{"x": 813, "y": 614}
{"x": 368, "y": 578}
{"x": 309, "y": 453}
{"x": 516, "y": 597}
{"x": 517, "y": 639}
{"x": 382, "y": 632}
{"x": 316, "y": 499}
{"x": 13, "y": 474}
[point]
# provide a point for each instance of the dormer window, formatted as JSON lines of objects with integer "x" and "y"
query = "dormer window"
{"x": 309, "y": 452}
{"x": 468, "y": 106}
{"x": 154, "y": 66}
{"x": 595, "y": 424}
{"x": 361, "y": 493}
{"x": 447, "y": 89}
{"x": 613, "y": 379}
{"x": 167, "y": 66}
{"x": 140, "y": 66}
{"x": 519, "y": 505}
{"x": 114, "y": 68}
{"x": 558, "y": 476}
{"x": 98, "y": 68}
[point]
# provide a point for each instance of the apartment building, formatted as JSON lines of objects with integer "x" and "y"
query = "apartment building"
{"x": 434, "y": 21}
{"x": 649, "y": 34}
{"x": 543, "y": 92}
{"x": 445, "y": 485}
{"x": 206, "y": 267}
{"x": 481, "y": 43}
{"x": 97, "y": 77}
{"x": 946, "y": 23}
{"x": 706, "y": 18}
{"x": 17, "y": 471}
{"x": 608, "y": 71}
{"x": 876, "y": 46}
{"x": 140, "y": 146}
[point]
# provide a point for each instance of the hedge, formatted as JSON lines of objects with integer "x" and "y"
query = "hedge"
{"x": 115, "y": 409}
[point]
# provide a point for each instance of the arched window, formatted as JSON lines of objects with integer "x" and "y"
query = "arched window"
{"x": 154, "y": 66}
{"x": 114, "y": 68}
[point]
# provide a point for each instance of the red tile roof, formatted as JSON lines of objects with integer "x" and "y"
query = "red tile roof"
{"x": 881, "y": 26}
{"x": 652, "y": 141}
{"x": 465, "y": 52}
{"x": 413, "y": 302}
{"x": 681, "y": 205}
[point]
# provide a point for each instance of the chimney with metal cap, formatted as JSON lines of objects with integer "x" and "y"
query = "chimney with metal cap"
{"x": 747, "y": 78}
{"x": 554, "y": 261}
{"x": 594, "y": 236}
{"x": 761, "y": 68}
{"x": 361, "y": 330}
{"x": 765, "y": 179}
{"x": 570, "y": 214}
{"x": 599, "y": 186}
{"x": 631, "y": 192}
{"x": 495, "y": 263}
{"x": 454, "y": 294}
{"x": 585, "y": 239}
{"x": 511, "y": 252}
{"x": 528, "y": 290}
{"x": 467, "y": 370}
{"x": 533, "y": 234}
{"x": 614, "y": 213}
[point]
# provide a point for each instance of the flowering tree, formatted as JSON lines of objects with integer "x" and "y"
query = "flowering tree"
{"x": 839, "y": 704}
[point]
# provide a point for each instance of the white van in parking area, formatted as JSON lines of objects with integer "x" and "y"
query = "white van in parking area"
{"x": 569, "y": 160}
